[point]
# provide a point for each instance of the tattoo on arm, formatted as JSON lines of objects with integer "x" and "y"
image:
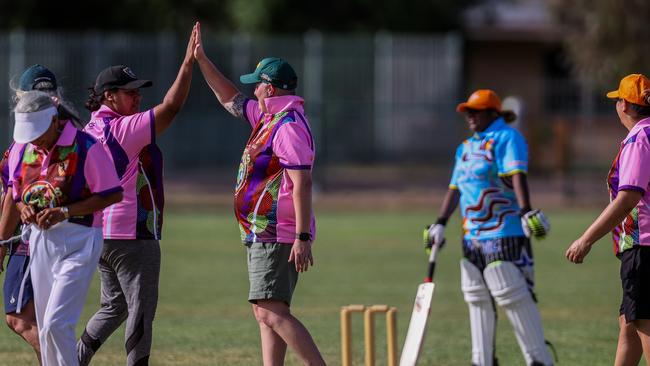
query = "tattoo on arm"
{"x": 236, "y": 106}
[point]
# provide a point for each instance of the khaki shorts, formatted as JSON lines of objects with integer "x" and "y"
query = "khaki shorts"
{"x": 270, "y": 274}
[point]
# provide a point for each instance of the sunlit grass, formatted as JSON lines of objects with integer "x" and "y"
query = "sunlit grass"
{"x": 362, "y": 257}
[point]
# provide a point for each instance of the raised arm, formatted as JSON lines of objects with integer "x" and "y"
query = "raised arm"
{"x": 227, "y": 94}
{"x": 177, "y": 93}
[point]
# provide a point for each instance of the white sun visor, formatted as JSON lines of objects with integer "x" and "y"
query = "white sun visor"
{"x": 30, "y": 126}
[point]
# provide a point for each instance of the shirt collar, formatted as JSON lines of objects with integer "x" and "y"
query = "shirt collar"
{"x": 496, "y": 125}
{"x": 67, "y": 135}
{"x": 103, "y": 112}
{"x": 638, "y": 126}
{"x": 282, "y": 103}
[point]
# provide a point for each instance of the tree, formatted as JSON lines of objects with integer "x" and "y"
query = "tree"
{"x": 120, "y": 15}
{"x": 253, "y": 16}
{"x": 348, "y": 16}
{"x": 605, "y": 39}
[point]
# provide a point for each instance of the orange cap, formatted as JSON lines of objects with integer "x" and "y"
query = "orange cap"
{"x": 480, "y": 100}
{"x": 634, "y": 88}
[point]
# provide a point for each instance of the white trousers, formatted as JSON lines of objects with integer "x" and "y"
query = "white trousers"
{"x": 63, "y": 260}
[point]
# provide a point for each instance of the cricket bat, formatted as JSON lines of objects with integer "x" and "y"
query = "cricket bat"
{"x": 418, "y": 323}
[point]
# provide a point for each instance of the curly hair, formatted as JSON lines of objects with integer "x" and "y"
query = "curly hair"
{"x": 94, "y": 101}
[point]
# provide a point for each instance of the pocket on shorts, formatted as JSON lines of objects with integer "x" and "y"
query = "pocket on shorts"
{"x": 256, "y": 255}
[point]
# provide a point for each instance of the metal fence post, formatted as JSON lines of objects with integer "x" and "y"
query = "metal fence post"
{"x": 587, "y": 106}
{"x": 16, "y": 64}
{"x": 313, "y": 88}
{"x": 241, "y": 55}
{"x": 383, "y": 96}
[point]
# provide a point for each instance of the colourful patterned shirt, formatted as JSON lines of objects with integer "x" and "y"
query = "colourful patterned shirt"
{"x": 484, "y": 165}
{"x": 131, "y": 143}
{"x": 631, "y": 172}
{"x": 76, "y": 168}
{"x": 281, "y": 140}
{"x": 23, "y": 246}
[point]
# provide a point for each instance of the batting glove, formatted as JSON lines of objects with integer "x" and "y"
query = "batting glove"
{"x": 535, "y": 224}
{"x": 434, "y": 235}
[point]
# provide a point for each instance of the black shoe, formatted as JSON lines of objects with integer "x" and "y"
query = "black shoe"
{"x": 496, "y": 363}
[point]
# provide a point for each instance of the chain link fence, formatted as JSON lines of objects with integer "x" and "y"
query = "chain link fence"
{"x": 372, "y": 100}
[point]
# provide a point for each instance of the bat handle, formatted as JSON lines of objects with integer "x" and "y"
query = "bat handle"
{"x": 432, "y": 263}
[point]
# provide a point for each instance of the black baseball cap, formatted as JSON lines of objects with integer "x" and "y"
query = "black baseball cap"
{"x": 37, "y": 77}
{"x": 119, "y": 77}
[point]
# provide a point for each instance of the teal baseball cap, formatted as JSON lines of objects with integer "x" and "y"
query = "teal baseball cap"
{"x": 274, "y": 71}
{"x": 37, "y": 77}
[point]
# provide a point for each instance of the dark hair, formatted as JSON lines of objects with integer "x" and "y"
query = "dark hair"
{"x": 640, "y": 110}
{"x": 95, "y": 100}
{"x": 508, "y": 116}
{"x": 281, "y": 91}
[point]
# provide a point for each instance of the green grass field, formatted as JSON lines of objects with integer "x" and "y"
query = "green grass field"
{"x": 361, "y": 258}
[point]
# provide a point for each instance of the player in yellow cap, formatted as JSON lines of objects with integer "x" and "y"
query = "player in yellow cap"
{"x": 489, "y": 182}
{"x": 628, "y": 218}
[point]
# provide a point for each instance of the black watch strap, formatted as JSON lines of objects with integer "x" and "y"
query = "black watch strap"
{"x": 303, "y": 236}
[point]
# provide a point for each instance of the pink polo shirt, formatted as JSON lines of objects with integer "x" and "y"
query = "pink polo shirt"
{"x": 631, "y": 172}
{"x": 281, "y": 140}
{"x": 130, "y": 143}
{"x": 74, "y": 169}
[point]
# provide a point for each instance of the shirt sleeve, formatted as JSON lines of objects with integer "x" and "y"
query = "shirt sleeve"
{"x": 511, "y": 154}
{"x": 100, "y": 172}
{"x": 453, "y": 184}
{"x": 293, "y": 144}
{"x": 135, "y": 131}
{"x": 634, "y": 156}
{"x": 4, "y": 171}
{"x": 15, "y": 156}
{"x": 252, "y": 112}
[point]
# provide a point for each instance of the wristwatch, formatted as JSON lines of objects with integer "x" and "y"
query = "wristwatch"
{"x": 65, "y": 211}
{"x": 303, "y": 236}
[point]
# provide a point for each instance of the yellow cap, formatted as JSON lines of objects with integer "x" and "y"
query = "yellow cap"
{"x": 480, "y": 100}
{"x": 634, "y": 88}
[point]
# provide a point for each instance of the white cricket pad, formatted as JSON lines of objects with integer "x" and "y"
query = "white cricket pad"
{"x": 508, "y": 286}
{"x": 417, "y": 325}
{"x": 482, "y": 317}
{"x": 506, "y": 283}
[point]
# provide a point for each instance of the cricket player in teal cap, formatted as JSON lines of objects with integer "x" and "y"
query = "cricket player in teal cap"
{"x": 273, "y": 199}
